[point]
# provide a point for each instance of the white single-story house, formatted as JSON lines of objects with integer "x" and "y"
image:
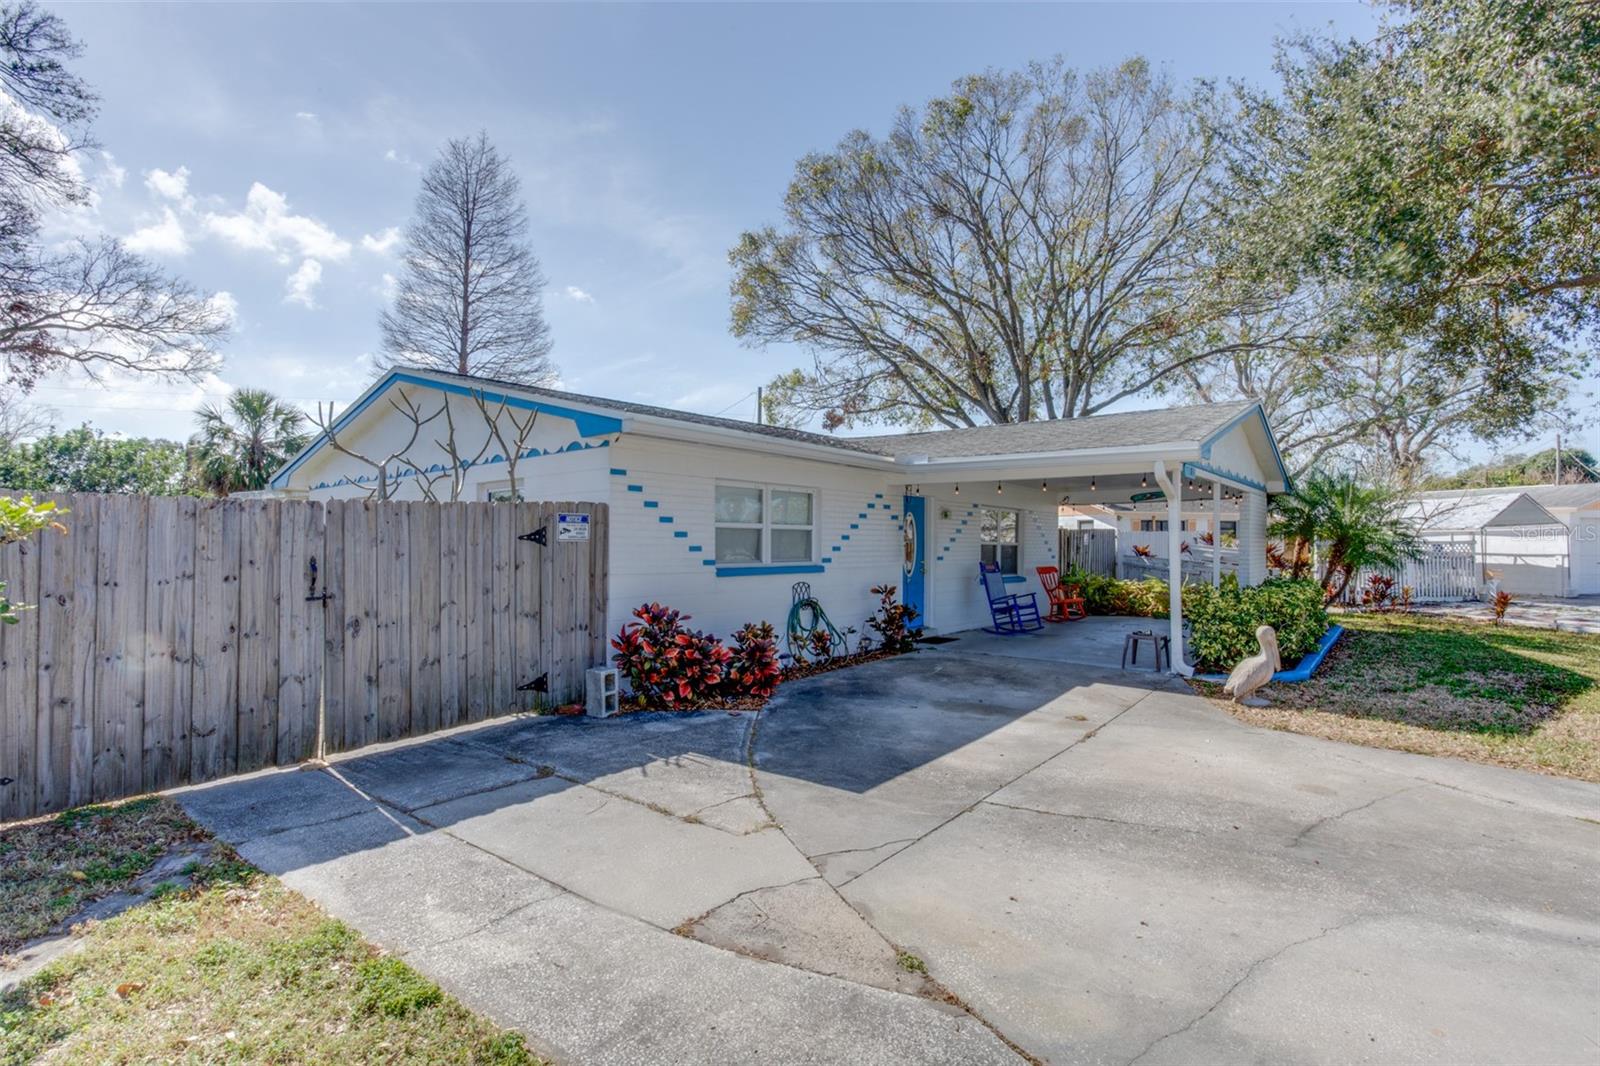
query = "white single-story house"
{"x": 720, "y": 517}
{"x": 1539, "y": 540}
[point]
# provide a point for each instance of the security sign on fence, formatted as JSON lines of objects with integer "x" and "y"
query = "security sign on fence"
{"x": 178, "y": 640}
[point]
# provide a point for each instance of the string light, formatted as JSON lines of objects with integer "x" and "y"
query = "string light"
{"x": 1144, "y": 482}
{"x": 998, "y": 488}
{"x": 1044, "y": 486}
{"x": 958, "y": 490}
{"x": 1091, "y": 485}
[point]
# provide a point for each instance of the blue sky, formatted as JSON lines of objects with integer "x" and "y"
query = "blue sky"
{"x": 271, "y": 151}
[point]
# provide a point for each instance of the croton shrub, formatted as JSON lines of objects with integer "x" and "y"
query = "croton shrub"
{"x": 666, "y": 663}
{"x": 754, "y": 670}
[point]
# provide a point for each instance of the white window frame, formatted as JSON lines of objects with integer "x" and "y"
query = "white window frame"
{"x": 488, "y": 489}
{"x": 998, "y": 544}
{"x": 766, "y": 525}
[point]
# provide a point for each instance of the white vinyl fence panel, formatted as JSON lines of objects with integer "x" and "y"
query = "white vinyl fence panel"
{"x": 1448, "y": 570}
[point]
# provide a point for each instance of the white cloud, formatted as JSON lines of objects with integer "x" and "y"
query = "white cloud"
{"x": 115, "y": 175}
{"x": 306, "y": 116}
{"x": 383, "y": 243}
{"x": 228, "y": 305}
{"x": 577, "y": 295}
{"x": 266, "y": 224}
{"x": 388, "y": 287}
{"x": 301, "y": 286}
{"x": 173, "y": 185}
{"x": 165, "y": 237}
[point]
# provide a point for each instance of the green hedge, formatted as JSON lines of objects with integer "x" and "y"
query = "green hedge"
{"x": 1222, "y": 620}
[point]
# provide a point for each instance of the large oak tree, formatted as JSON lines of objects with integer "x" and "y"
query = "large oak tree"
{"x": 1033, "y": 245}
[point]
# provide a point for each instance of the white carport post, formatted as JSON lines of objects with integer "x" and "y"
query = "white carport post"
{"x": 1171, "y": 485}
{"x": 1216, "y": 534}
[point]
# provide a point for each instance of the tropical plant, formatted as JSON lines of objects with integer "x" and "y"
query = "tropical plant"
{"x": 1501, "y": 604}
{"x": 893, "y": 621}
{"x": 754, "y": 671}
{"x": 19, "y": 519}
{"x": 1358, "y": 527}
{"x": 1223, "y": 619}
{"x": 666, "y": 662}
{"x": 243, "y": 442}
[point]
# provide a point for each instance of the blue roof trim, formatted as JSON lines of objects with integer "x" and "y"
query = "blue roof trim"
{"x": 1277, "y": 456}
{"x": 618, "y": 473}
{"x": 589, "y": 424}
{"x": 681, "y": 534}
{"x": 1189, "y": 469}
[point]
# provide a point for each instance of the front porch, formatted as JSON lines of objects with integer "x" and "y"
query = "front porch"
{"x": 1093, "y": 641}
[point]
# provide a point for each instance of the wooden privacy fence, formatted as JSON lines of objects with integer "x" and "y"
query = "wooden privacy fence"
{"x": 180, "y": 640}
{"x": 1093, "y": 550}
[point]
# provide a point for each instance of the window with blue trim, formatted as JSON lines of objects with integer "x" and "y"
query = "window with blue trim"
{"x": 758, "y": 524}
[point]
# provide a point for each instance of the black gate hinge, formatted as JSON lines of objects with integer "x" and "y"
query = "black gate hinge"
{"x": 538, "y": 536}
{"x": 538, "y": 684}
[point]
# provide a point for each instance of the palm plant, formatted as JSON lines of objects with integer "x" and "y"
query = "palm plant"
{"x": 241, "y": 443}
{"x": 1360, "y": 526}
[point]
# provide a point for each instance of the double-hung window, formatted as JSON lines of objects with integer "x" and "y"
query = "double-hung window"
{"x": 765, "y": 524}
{"x": 998, "y": 539}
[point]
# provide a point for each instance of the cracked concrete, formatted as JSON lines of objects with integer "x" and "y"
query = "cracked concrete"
{"x": 1095, "y": 867}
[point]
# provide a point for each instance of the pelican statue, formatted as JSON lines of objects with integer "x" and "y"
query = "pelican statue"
{"x": 1256, "y": 671}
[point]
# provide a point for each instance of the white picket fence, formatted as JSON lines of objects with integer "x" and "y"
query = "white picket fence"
{"x": 1448, "y": 570}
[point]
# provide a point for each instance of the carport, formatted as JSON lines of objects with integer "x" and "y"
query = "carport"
{"x": 1215, "y": 452}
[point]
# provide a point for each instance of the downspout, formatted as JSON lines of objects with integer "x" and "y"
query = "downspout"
{"x": 1172, "y": 487}
{"x": 1216, "y": 534}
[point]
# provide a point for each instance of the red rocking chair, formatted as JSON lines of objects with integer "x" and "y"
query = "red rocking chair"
{"x": 1066, "y": 605}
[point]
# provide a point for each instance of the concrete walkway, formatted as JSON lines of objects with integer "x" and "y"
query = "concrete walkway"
{"x": 1100, "y": 866}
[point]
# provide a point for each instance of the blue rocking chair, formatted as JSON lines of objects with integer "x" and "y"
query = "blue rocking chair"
{"x": 1010, "y": 612}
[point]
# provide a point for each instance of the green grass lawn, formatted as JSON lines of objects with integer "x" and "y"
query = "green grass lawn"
{"x": 234, "y": 967}
{"x": 1527, "y": 698}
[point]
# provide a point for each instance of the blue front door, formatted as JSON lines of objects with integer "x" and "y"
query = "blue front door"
{"x": 915, "y": 571}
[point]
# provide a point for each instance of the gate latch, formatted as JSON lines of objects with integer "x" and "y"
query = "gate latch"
{"x": 314, "y": 596}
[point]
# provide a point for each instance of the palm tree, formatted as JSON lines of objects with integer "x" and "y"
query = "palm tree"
{"x": 1360, "y": 526}
{"x": 242, "y": 443}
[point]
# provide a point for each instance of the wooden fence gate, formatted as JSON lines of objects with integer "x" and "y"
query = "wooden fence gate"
{"x": 179, "y": 640}
{"x": 1092, "y": 550}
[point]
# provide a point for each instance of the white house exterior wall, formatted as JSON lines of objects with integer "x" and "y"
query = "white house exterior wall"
{"x": 955, "y": 597}
{"x": 663, "y": 536}
{"x": 557, "y": 463}
{"x": 1585, "y": 552}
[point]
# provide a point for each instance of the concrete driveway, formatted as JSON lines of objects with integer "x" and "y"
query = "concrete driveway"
{"x": 1094, "y": 866}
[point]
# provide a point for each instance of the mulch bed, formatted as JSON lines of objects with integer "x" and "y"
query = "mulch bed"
{"x": 792, "y": 672}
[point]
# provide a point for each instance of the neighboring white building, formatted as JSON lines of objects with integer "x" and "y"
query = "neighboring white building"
{"x": 719, "y": 517}
{"x": 1540, "y": 540}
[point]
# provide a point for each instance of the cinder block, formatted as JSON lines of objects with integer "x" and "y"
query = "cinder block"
{"x": 600, "y": 692}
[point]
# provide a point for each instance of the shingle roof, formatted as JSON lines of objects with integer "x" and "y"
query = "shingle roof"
{"x": 1130, "y": 428}
{"x": 626, "y": 407}
{"x": 1579, "y": 495}
{"x": 1126, "y": 428}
